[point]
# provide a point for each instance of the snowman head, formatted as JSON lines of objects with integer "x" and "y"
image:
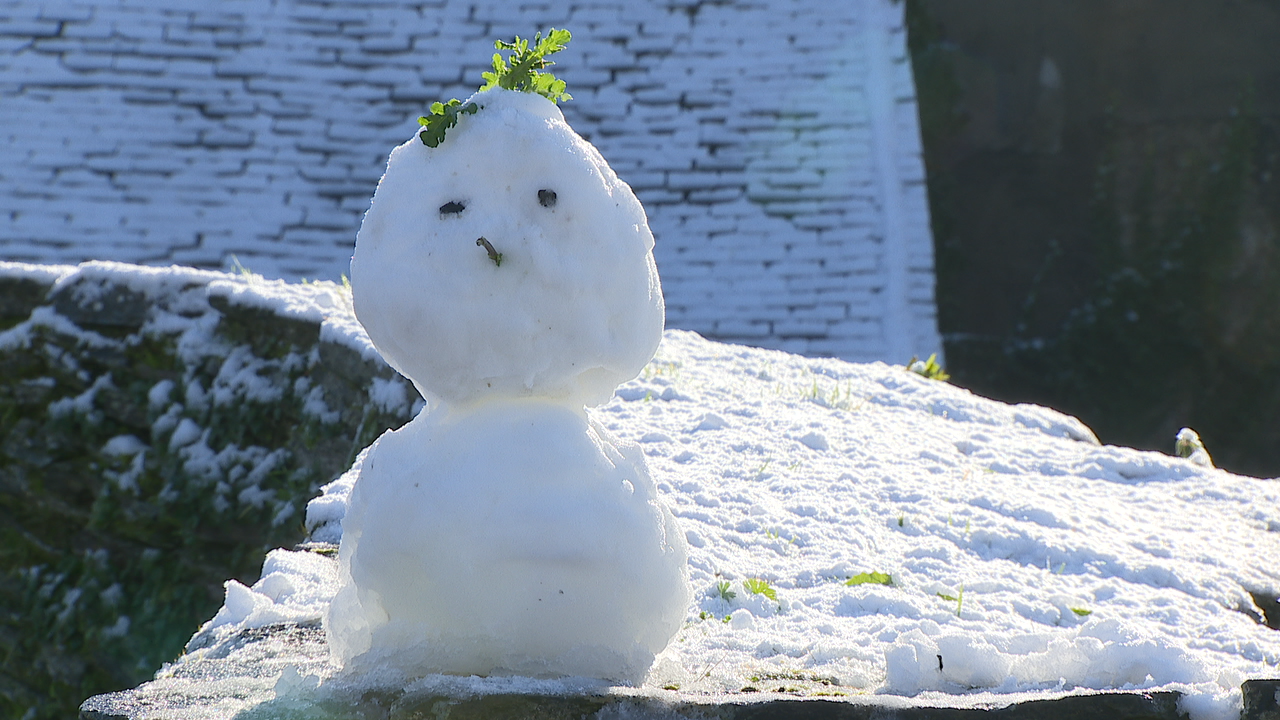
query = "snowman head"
{"x": 509, "y": 260}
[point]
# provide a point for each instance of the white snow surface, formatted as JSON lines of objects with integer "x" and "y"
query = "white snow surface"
{"x": 573, "y": 307}
{"x": 1074, "y": 566}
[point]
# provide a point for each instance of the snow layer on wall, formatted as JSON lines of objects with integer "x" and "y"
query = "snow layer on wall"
{"x": 774, "y": 145}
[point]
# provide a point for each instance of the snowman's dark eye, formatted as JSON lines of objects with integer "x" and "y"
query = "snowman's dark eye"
{"x": 547, "y": 198}
{"x": 452, "y": 208}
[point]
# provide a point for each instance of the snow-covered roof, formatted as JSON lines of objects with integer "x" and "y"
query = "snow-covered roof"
{"x": 775, "y": 145}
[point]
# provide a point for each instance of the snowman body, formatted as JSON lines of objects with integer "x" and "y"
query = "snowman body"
{"x": 502, "y": 531}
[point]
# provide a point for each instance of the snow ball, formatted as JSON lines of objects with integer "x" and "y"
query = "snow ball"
{"x": 742, "y": 619}
{"x": 507, "y": 537}
{"x": 471, "y": 283}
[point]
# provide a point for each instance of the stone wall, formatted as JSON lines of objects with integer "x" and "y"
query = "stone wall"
{"x": 159, "y": 431}
{"x": 774, "y": 145}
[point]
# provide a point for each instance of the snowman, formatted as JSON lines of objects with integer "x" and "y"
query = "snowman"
{"x": 509, "y": 274}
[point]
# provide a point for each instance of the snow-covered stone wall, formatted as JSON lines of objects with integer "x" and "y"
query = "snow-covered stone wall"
{"x": 158, "y": 428}
{"x": 775, "y": 145}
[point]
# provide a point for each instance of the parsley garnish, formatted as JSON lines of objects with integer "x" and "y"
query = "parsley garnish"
{"x": 443, "y": 116}
{"x": 519, "y": 72}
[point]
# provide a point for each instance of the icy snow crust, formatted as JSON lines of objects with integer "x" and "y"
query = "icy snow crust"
{"x": 573, "y": 309}
{"x": 1082, "y": 566}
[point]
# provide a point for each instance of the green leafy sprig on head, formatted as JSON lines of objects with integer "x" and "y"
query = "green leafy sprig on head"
{"x": 520, "y": 72}
{"x": 443, "y": 116}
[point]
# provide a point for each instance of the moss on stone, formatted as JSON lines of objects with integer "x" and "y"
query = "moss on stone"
{"x": 109, "y": 559}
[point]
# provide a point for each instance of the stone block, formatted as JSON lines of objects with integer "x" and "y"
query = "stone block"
{"x": 96, "y": 304}
{"x": 29, "y": 28}
{"x": 19, "y": 296}
{"x": 1261, "y": 700}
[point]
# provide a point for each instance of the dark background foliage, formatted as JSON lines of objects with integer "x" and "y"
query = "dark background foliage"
{"x": 1106, "y": 211}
